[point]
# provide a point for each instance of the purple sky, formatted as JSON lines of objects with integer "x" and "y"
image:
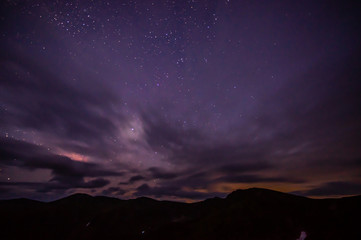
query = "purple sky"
{"x": 179, "y": 100}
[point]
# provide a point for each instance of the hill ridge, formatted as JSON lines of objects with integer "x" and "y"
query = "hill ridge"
{"x": 251, "y": 214}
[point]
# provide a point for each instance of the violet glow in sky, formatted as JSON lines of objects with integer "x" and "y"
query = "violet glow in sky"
{"x": 179, "y": 99}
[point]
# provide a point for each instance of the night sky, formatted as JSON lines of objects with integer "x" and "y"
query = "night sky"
{"x": 179, "y": 100}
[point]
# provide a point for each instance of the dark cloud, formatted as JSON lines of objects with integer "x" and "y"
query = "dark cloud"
{"x": 341, "y": 164}
{"x": 153, "y": 173}
{"x": 333, "y": 189}
{"x": 245, "y": 167}
{"x": 58, "y": 184}
{"x": 113, "y": 191}
{"x": 66, "y": 172}
{"x": 249, "y": 172}
{"x": 26, "y": 155}
{"x": 290, "y": 129}
{"x": 37, "y": 99}
{"x": 194, "y": 147}
{"x": 172, "y": 184}
{"x": 252, "y": 178}
{"x": 161, "y": 134}
{"x": 28, "y": 184}
{"x": 136, "y": 178}
{"x": 319, "y": 106}
{"x": 194, "y": 179}
{"x": 72, "y": 183}
{"x": 146, "y": 190}
{"x": 158, "y": 173}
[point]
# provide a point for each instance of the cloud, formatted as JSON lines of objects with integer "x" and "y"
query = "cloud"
{"x": 245, "y": 167}
{"x": 113, "y": 191}
{"x": 136, "y": 178}
{"x": 333, "y": 189}
{"x": 158, "y": 173}
{"x": 173, "y": 183}
{"x": 146, "y": 190}
{"x": 311, "y": 120}
{"x": 304, "y": 122}
{"x": 193, "y": 146}
{"x": 58, "y": 184}
{"x": 320, "y": 107}
{"x": 66, "y": 184}
{"x": 38, "y": 98}
{"x": 66, "y": 173}
{"x": 26, "y": 155}
{"x": 252, "y": 178}
{"x": 153, "y": 173}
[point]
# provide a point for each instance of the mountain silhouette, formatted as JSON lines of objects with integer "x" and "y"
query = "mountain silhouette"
{"x": 244, "y": 214}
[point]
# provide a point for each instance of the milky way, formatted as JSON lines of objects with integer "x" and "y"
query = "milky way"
{"x": 179, "y": 100}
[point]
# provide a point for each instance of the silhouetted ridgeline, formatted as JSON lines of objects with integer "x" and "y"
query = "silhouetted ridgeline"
{"x": 244, "y": 214}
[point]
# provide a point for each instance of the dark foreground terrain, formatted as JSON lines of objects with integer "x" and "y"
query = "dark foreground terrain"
{"x": 244, "y": 214}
